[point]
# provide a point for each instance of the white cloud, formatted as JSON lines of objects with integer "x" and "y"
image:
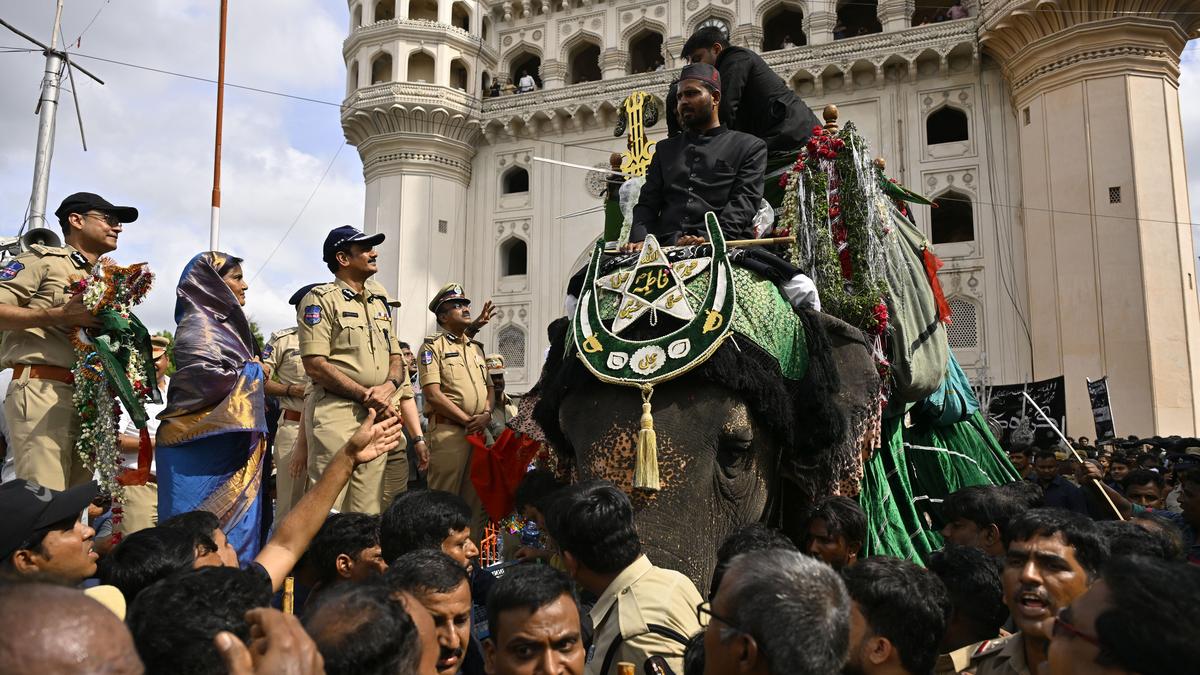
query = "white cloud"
{"x": 151, "y": 135}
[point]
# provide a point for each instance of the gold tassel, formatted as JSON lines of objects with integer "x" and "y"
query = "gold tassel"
{"x": 645, "y": 472}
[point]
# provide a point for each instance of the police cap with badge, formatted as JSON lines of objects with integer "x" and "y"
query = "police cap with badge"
{"x": 449, "y": 292}
{"x": 341, "y": 238}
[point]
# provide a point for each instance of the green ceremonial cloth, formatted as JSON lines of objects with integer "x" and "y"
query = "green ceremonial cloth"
{"x": 894, "y": 527}
{"x": 130, "y": 336}
{"x": 760, "y": 314}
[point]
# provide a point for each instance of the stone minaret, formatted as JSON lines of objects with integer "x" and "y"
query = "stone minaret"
{"x": 415, "y": 71}
{"x": 1108, "y": 244}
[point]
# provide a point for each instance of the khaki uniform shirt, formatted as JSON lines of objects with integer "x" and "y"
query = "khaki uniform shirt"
{"x": 1003, "y": 656}
{"x": 643, "y": 595}
{"x": 40, "y": 279}
{"x": 282, "y": 356}
{"x": 352, "y": 330}
{"x": 457, "y": 364}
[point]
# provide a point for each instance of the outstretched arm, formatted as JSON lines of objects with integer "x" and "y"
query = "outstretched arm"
{"x": 296, "y": 531}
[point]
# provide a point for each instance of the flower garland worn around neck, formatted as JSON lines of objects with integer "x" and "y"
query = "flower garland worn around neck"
{"x": 112, "y": 363}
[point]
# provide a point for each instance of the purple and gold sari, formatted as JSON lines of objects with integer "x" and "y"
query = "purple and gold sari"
{"x": 212, "y": 440}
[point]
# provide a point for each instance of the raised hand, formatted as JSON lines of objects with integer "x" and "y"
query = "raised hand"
{"x": 374, "y": 439}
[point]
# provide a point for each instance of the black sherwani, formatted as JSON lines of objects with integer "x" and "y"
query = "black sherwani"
{"x": 690, "y": 174}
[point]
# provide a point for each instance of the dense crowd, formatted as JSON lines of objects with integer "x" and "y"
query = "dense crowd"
{"x": 1019, "y": 587}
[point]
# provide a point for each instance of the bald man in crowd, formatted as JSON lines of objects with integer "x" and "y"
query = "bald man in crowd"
{"x": 53, "y": 629}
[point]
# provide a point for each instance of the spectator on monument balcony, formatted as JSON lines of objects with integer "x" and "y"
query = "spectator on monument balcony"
{"x": 957, "y": 11}
{"x": 526, "y": 83}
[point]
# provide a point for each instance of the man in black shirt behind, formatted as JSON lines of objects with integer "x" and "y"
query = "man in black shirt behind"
{"x": 755, "y": 99}
{"x": 707, "y": 168}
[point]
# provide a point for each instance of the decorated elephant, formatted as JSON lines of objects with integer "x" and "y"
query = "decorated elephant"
{"x": 686, "y": 378}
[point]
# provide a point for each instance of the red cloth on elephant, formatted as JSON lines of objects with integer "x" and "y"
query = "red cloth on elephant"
{"x": 497, "y": 470}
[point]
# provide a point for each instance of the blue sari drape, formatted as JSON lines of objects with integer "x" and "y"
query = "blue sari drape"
{"x": 212, "y": 440}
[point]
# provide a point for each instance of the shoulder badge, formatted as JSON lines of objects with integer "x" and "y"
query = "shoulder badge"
{"x": 426, "y": 356}
{"x": 267, "y": 351}
{"x": 10, "y": 270}
{"x": 312, "y": 315}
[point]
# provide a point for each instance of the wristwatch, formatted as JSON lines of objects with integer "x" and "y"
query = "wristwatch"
{"x": 418, "y": 439}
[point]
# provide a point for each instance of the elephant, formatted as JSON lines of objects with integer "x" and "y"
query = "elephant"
{"x": 738, "y": 443}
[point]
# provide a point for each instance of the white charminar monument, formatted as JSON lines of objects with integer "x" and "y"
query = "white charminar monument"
{"x": 1050, "y": 128}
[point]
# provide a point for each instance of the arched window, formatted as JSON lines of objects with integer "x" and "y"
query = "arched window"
{"x": 356, "y": 19}
{"x": 487, "y": 27}
{"x": 946, "y": 125}
{"x": 584, "y": 63}
{"x": 715, "y": 22}
{"x": 381, "y": 69}
{"x": 645, "y": 52}
{"x": 385, "y": 10}
{"x": 783, "y": 28}
{"x": 953, "y": 221}
{"x": 510, "y": 342}
{"x": 423, "y": 10}
{"x": 421, "y": 68}
{"x": 458, "y": 74}
{"x": 514, "y": 257}
{"x": 352, "y": 78}
{"x": 460, "y": 16}
{"x": 963, "y": 331}
{"x": 855, "y": 18}
{"x": 485, "y": 83}
{"x": 515, "y": 180}
{"x": 526, "y": 63}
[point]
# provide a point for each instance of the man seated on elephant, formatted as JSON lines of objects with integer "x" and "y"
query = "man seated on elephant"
{"x": 642, "y": 610}
{"x": 707, "y": 168}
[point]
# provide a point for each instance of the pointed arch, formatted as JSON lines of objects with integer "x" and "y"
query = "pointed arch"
{"x": 953, "y": 221}
{"x": 382, "y": 68}
{"x": 581, "y": 53}
{"x": 947, "y": 124}
{"x": 710, "y": 13}
{"x": 645, "y": 48}
{"x": 422, "y": 66}
{"x": 783, "y": 24}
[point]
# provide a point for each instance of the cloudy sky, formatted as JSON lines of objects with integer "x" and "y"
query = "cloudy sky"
{"x": 150, "y": 134}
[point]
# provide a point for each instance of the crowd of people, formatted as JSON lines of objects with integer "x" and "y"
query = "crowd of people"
{"x": 1018, "y": 588}
{"x": 362, "y": 555}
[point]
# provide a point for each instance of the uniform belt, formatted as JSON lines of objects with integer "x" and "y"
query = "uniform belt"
{"x": 442, "y": 419}
{"x": 291, "y": 415}
{"x": 55, "y": 373}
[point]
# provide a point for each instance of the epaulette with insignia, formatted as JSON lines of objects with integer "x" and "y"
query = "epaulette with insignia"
{"x": 42, "y": 249}
{"x": 323, "y": 289}
{"x": 989, "y": 647}
{"x": 281, "y": 333}
{"x": 430, "y": 339}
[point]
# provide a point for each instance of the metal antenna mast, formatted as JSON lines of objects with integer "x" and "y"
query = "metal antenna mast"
{"x": 47, "y": 110}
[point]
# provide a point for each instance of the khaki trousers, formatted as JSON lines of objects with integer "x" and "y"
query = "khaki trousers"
{"x": 395, "y": 475}
{"x": 450, "y": 468}
{"x": 288, "y": 490}
{"x": 43, "y": 428}
{"x": 139, "y": 509}
{"x": 329, "y": 422}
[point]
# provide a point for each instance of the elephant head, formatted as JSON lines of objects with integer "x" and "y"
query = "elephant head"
{"x": 737, "y": 442}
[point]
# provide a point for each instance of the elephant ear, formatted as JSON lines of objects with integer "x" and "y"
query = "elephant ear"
{"x": 839, "y": 400}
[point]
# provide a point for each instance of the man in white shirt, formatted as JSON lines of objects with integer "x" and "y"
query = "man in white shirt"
{"x": 139, "y": 509}
{"x": 526, "y": 83}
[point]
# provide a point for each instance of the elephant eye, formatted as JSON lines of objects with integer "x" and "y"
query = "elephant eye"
{"x": 737, "y": 434}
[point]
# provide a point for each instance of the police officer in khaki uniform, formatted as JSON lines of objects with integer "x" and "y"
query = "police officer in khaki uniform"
{"x": 458, "y": 393}
{"x": 38, "y": 315}
{"x": 352, "y": 355}
{"x": 287, "y": 381}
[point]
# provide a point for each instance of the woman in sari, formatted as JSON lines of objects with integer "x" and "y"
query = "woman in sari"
{"x": 211, "y": 442}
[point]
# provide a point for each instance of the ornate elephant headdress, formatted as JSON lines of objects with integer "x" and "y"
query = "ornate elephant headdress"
{"x": 649, "y": 292}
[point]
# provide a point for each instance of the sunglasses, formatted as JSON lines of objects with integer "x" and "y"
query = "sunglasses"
{"x": 108, "y": 218}
{"x": 1062, "y": 627}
